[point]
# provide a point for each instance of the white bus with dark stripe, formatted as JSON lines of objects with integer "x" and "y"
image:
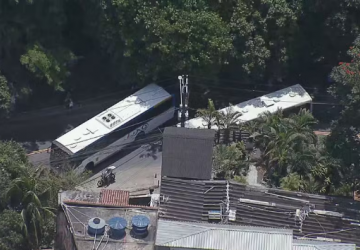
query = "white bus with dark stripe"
{"x": 284, "y": 99}
{"x": 115, "y": 128}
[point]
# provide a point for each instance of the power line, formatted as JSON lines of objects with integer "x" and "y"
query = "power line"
{"x": 104, "y": 151}
{"x": 315, "y": 103}
{"x": 117, "y": 130}
{"x": 242, "y": 83}
{"x": 95, "y": 98}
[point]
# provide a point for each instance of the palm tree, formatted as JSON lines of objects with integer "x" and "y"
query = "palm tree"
{"x": 25, "y": 195}
{"x": 228, "y": 120}
{"x": 209, "y": 114}
{"x": 287, "y": 144}
{"x": 230, "y": 161}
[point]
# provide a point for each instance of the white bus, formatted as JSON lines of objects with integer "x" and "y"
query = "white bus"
{"x": 284, "y": 99}
{"x": 108, "y": 132}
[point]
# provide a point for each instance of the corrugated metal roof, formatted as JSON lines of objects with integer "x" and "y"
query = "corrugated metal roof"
{"x": 114, "y": 197}
{"x": 186, "y": 200}
{"x": 187, "y": 153}
{"x": 218, "y": 236}
{"x": 321, "y": 245}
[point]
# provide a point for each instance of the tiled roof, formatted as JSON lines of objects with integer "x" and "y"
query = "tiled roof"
{"x": 187, "y": 153}
{"x": 255, "y": 206}
{"x": 106, "y": 197}
{"x": 114, "y": 197}
{"x": 218, "y": 236}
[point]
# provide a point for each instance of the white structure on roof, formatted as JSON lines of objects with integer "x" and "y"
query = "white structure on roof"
{"x": 286, "y": 98}
{"x": 321, "y": 245}
{"x": 112, "y": 118}
{"x": 179, "y": 235}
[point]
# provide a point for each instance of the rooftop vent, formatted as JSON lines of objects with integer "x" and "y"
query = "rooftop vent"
{"x": 96, "y": 226}
{"x": 140, "y": 225}
{"x": 109, "y": 119}
{"x": 292, "y": 94}
{"x": 268, "y": 102}
{"x": 117, "y": 227}
{"x": 214, "y": 215}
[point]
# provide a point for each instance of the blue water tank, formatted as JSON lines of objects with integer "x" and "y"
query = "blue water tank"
{"x": 96, "y": 226}
{"x": 117, "y": 227}
{"x": 140, "y": 225}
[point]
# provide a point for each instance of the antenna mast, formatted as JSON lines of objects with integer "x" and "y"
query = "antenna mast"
{"x": 183, "y": 114}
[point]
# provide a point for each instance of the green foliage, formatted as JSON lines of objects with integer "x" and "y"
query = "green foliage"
{"x": 11, "y": 237}
{"x": 24, "y": 194}
{"x": 209, "y": 115}
{"x": 165, "y": 38}
{"x": 263, "y": 33}
{"x": 343, "y": 142}
{"x": 5, "y": 96}
{"x": 288, "y": 145}
{"x": 45, "y": 65}
{"x": 230, "y": 161}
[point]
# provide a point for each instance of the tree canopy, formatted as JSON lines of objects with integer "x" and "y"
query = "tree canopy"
{"x": 46, "y": 47}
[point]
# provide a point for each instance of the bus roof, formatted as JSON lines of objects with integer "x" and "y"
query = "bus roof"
{"x": 112, "y": 118}
{"x": 286, "y": 98}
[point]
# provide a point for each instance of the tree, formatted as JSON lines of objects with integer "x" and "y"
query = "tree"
{"x": 5, "y": 97}
{"x": 11, "y": 237}
{"x": 25, "y": 195}
{"x": 288, "y": 145}
{"x": 209, "y": 115}
{"x": 230, "y": 161}
{"x": 159, "y": 39}
{"x": 343, "y": 142}
{"x": 263, "y": 34}
{"x": 47, "y": 65}
{"x": 228, "y": 120}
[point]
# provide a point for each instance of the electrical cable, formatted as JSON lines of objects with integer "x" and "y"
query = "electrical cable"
{"x": 117, "y": 130}
{"x": 238, "y": 82}
{"x": 134, "y": 144}
{"x": 315, "y": 103}
{"x": 99, "y": 97}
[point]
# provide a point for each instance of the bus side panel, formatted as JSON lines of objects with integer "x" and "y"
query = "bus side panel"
{"x": 129, "y": 138}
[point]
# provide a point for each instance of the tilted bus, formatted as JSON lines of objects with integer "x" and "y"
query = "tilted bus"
{"x": 113, "y": 129}
{"x": 284, "y": 99}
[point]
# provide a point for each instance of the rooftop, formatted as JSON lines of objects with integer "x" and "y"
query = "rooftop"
{"x": 285, "y": 98}
{"x": 312, "y": 216}
{"x": 220, "y": 236}
{"x": 318, "y": 245}
{"x": 78, "y": 218}
{"x": 120, "y": 113}
{"x": 106, "y": 197}
{"x": 187, "y": 153}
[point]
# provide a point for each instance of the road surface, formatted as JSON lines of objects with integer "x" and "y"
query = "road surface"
{"x": 134, "y": 172}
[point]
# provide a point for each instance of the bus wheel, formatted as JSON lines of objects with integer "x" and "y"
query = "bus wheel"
{"x": 90, "y": 166}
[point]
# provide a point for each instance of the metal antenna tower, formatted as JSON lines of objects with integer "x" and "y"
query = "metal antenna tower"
{"x": 183, "y": 114}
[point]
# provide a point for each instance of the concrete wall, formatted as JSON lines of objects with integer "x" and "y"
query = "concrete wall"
{"x": 64, "y": 239}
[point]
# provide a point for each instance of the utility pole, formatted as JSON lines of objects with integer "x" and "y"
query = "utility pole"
{"x": 183, "y": 114}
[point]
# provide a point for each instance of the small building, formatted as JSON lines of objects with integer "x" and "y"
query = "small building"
{"x": 187, "y": 153}
{"x": 104, "y": 221}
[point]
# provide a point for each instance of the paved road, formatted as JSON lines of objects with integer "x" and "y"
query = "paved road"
{"x": 134, "y": 172}
{"x": 46, "y": 126}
